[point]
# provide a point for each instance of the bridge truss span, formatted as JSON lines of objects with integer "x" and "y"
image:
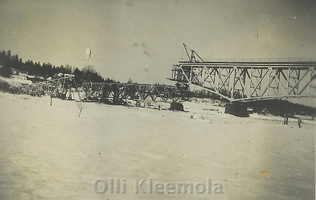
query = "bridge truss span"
{"x": 249, "y": 81}
{"x": 116, "y": 92}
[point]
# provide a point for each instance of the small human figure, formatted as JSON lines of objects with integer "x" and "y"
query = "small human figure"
{"x": 286, "y": 119}
{"x": 299, "y": 121}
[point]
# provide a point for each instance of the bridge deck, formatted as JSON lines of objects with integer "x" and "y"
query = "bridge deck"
{"x": 260, "y": 65}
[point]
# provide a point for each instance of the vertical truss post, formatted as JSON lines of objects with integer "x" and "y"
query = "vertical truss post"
{"x": 234, "y": 82}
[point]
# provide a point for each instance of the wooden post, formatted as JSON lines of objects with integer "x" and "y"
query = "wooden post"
{"x": 286, "y": 119}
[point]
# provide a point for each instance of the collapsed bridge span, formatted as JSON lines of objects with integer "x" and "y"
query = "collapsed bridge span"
{"x": 116, "y": 92}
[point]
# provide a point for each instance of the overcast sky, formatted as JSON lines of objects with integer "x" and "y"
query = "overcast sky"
{"x": 141, "y": 39}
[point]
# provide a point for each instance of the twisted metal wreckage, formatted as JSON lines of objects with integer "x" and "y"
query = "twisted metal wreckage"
{"x": 114, "y": 93}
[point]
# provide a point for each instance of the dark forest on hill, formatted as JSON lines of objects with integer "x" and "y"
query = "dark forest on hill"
{"x": 13, "y": 65}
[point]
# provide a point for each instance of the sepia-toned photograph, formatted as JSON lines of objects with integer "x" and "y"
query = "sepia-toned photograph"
{"x": 157, "y": 99}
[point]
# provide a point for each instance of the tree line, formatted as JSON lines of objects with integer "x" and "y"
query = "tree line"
{"x": 13, "y": 65}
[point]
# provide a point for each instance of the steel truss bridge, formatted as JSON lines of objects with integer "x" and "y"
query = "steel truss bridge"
{"x": 67, "y": 88}
{"x": 116, "y": 92}
{"x": 248, "y": 81}
{"x": 232, "y": 80}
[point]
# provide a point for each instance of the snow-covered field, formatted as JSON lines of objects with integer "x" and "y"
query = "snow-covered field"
{"x": 47, "y": 152}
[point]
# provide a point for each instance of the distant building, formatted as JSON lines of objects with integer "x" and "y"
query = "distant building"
{"x": 69, "y": 75}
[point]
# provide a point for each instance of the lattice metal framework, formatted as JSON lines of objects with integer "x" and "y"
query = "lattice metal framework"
{"x": 119, "y": 91}
{"x": 249, "y": 80}
{"x": 65, "y": 88}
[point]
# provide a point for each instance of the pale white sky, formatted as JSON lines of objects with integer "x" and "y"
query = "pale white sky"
{"x": 141, "y": 39}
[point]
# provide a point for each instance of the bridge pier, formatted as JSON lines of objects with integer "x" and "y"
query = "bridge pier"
{"x": 237, "y": 109}
{"x": 176, "y": 106}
